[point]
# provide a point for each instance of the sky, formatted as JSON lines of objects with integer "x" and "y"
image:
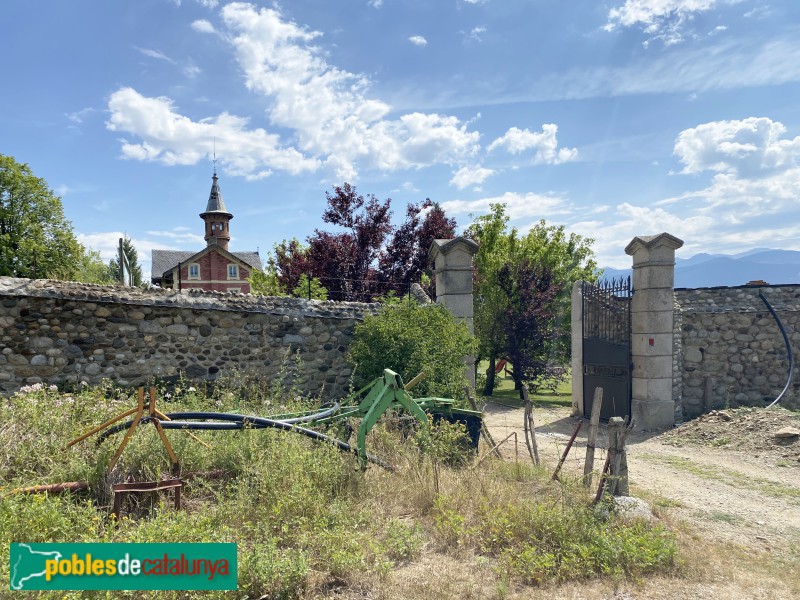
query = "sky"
{"x": 614, "y": 118}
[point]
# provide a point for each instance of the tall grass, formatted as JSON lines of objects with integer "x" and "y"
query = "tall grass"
{"x": 305, "y": 518}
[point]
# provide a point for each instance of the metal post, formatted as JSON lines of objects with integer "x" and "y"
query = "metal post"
{"x": 121, "y": 264}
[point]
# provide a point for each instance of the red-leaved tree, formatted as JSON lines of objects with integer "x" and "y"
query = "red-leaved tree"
{"x": 528, "y": 317}
{"x": 367, "y": 256}
{"x": 406, "y": 256}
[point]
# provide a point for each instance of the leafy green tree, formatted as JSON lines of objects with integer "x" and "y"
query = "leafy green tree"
{"x": 265, "y": 283}
{"x": 129, "y": 250}
{"x": 548, "y": 250}
{"x": 36, "y": 239}
{"x": 310, "y": 288}
{"x": 272, "y": 282}
{"x": 408, "y": 338}
{"x": 92, "y": 269}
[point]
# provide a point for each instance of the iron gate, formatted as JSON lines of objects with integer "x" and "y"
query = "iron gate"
{"x": 606, "y": 328}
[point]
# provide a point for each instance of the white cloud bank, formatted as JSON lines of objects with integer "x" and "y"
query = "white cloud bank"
{"x": 174, "y": 139}
{"x": 660, "y": 19}
{"x": 545, "y": 144}
{"x": 418, "y": 40}
{"x": 467, "y": 176}
{"x": 334, "y": 123}
{"x": 755, "y": 182}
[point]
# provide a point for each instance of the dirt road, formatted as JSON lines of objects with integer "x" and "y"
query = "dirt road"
{"x": 749, "y": 498}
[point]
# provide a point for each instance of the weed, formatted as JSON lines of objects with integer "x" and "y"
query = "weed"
{"x": 305, "y": 518}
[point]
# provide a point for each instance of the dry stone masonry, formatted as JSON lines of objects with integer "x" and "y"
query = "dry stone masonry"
{"x": 58, "y": 332}
{"x": 732, "y": 352}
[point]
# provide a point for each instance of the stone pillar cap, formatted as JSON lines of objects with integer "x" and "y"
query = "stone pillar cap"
{"x": 445, "y": 247}
{"x": 649, "y": 242}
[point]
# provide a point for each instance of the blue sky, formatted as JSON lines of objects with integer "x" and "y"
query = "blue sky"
{"x": 615, "y": 118}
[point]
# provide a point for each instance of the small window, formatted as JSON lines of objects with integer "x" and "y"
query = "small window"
{"x": 194, "y": 271}
{"x": 233, "y": 272}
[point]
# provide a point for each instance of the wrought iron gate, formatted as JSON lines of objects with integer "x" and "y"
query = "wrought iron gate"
{"x": 606, "y": 328}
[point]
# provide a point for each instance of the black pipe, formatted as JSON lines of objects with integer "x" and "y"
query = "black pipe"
{"x": 788, "y": 349}
{"x": 235, "y": 421}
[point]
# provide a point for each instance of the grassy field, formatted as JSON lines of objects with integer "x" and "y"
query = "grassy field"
{"x": 308, "y": 522}
{"x": 505, "y": 394}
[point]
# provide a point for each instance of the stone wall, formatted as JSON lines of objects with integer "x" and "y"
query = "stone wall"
{"x": 732, "y": 350}
{"x": 59, "y": 332}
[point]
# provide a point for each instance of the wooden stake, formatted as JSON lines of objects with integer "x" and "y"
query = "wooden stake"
{"x": 566, "y": 450}
{"x": 591, "y": 440}
{"x": 619, "y": 480}
{"x": 530, "y": 429}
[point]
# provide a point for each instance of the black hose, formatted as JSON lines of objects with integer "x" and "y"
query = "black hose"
{"x": 788, "y": 349}
{"x": 235, "y": 421}
{"x": 175, "y": 416}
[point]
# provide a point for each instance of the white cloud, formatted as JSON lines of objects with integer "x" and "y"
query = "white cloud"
{"x": 191, "y": 70}
{"x": 755, "y": 183}
{"x": 418, "y": 40}
{"x": 731, "y": 63}
{"x": 78, "y": 117}
{"x": 517, "y": 205}
{"x": 208, "y": 3}
{"x": 375, "y": 3}
{"x": 516, "y": 141}
{"x": 334, "y": 122}
{"x": 172, "y": 138}
{"x": 180, "y": 235}
{"x": 157, "y": 54}
{"x": 717, "y": 30}
{"x": 613, "y": 234}
{"x": 203, "y": 26}
{"x": 475, "y": 34}
{"x": 745, "y": 147}
{"x": 467, "y": 176}
{"x": 660, "y": 19}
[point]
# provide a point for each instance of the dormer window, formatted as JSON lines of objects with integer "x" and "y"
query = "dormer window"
{"x": 194, "y": 271}
{"x": 233, "y": 272}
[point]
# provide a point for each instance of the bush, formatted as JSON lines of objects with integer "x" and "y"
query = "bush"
{"x": 408, "y": 338}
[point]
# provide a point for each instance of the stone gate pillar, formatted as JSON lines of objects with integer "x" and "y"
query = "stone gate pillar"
{"x": 453, "y": 263}
{"x": 652, "y": 309}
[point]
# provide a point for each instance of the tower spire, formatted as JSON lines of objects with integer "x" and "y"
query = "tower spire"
{"x": 216, "y": 215}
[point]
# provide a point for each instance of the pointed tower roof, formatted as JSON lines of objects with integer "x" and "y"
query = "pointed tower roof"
{"x": 215, "y": 202}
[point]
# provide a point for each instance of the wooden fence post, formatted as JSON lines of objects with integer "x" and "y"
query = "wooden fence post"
{"x": 591, "y": 440}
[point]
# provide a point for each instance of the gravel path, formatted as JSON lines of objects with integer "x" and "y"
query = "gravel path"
{"x": 749, "y": 497}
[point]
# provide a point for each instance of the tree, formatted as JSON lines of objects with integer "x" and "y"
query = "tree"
{"x": 528, "y": 319}
{"x": 129, "y": 250}
{"x": 36, "y": 240}
{"x": 286, "y": 274}
{"x": 92, "y": 269}
{"x": 345, "y": 262}
{"x": 508, "y": 264}
{"x": 409, "y": 338}
{"x": 406, "y": 256}
{"x": 370, "y": 258}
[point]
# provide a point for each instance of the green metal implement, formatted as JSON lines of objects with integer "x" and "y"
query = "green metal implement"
{"x": 387, "y": 393}
{"x": 369, "y": 404}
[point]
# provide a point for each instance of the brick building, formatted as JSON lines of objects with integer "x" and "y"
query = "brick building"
{"x": 214, "y": 268}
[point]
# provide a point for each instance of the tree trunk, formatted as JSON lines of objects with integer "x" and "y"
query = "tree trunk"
{"x": 489, "y": 387}
{"x": 517, "y": 377}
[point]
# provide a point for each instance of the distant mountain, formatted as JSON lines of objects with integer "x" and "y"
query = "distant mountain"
{"x": 710, "y": 270}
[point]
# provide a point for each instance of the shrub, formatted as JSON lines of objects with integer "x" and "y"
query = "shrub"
{"x": 408, "y": 338}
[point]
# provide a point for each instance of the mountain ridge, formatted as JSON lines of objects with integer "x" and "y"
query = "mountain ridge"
{"x": 774, "y": 266}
